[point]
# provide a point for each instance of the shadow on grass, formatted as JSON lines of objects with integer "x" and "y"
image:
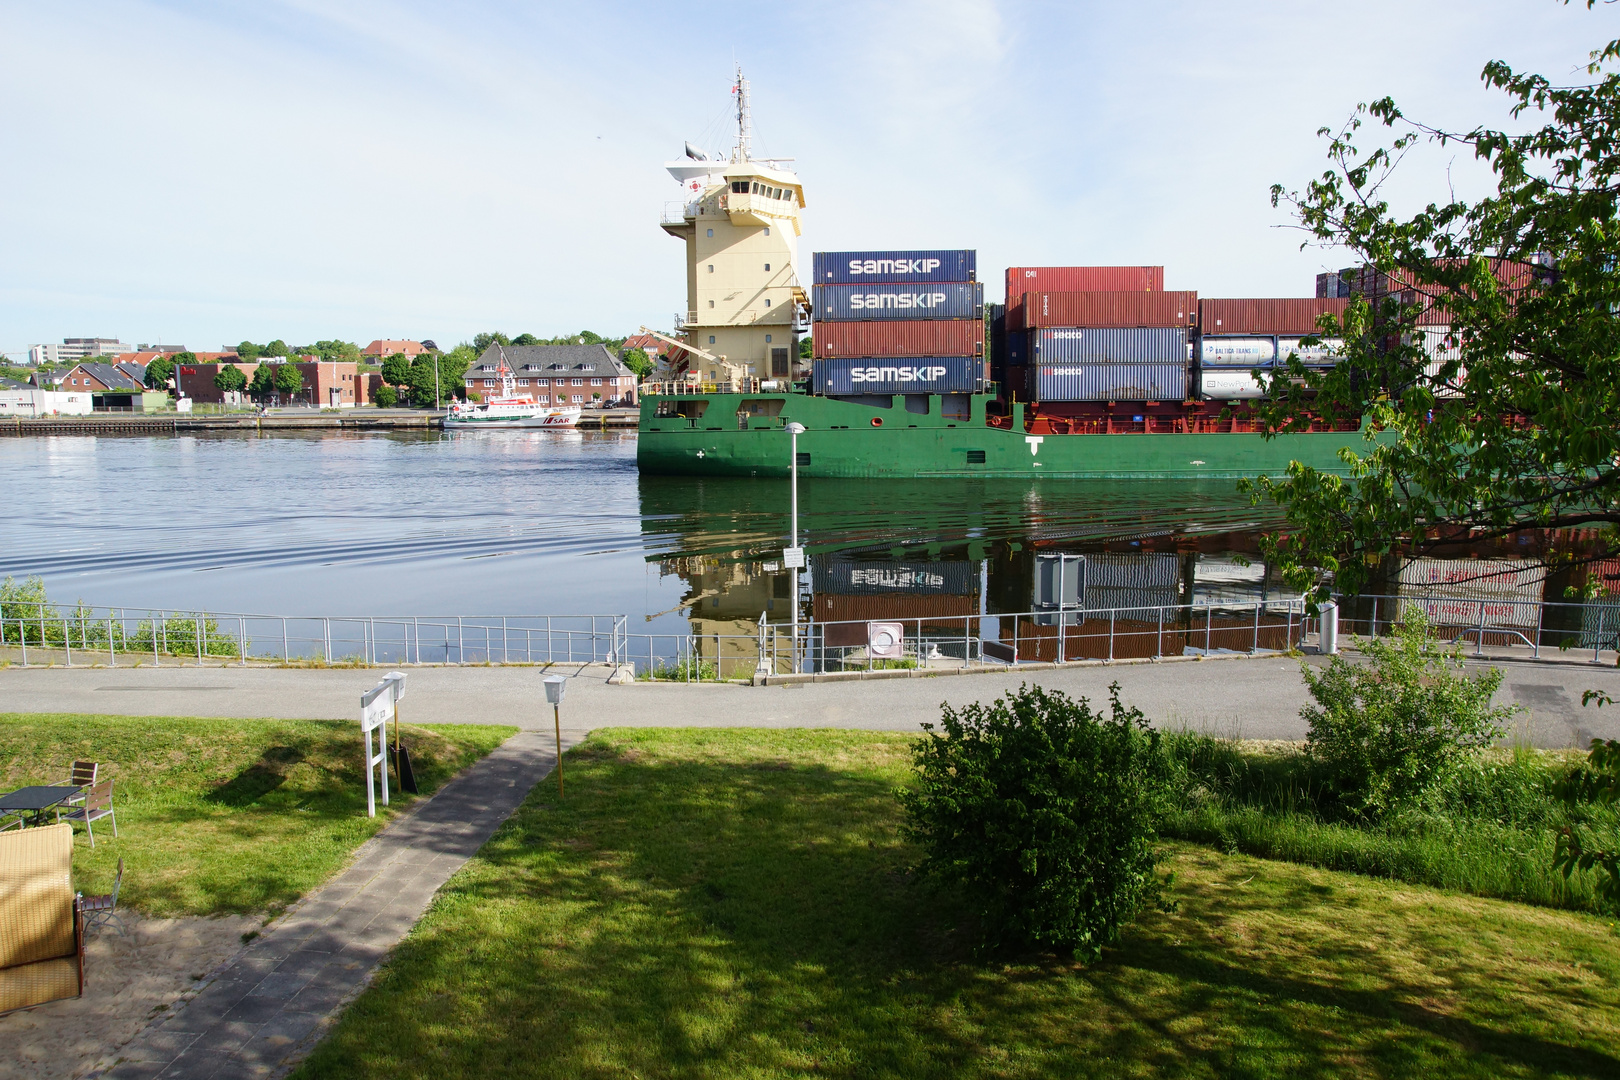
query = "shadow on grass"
{"x": 757, "y": 917}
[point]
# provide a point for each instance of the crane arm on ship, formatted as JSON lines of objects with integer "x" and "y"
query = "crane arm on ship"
{"x": 683, "y": 352}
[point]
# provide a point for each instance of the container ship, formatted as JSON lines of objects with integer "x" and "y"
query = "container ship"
{"x": 1090, "y": 372}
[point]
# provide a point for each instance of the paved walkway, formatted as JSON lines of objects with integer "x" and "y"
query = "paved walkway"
{"x": 1254, "y": 698}
{"x": 274, "y": 1001}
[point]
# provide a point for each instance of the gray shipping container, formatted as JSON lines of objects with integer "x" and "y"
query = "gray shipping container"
{"x": 1138, "y": 344}
{"x": 859, "y": 267}
{"x": 934, "y": 300}
{"x": 846, "y": 375}
{"x": 1122, "y": 381}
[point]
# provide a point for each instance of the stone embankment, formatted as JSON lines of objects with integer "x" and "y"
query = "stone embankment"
{"x": 190, "y": 423}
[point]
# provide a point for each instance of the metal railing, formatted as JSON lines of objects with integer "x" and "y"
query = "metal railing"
{"x": 1489, "y": 621}
{"x": 1048, "y": 636}
{"x": 86, "y": 634}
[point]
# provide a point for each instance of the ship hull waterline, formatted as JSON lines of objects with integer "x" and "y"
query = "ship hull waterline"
{"x": 841, "y": 441}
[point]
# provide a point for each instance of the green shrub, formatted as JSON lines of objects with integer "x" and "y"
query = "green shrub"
{"x": 1388, "y": 735}
{"x": 385, "y": 397}
{"x": 1044, "y": 812}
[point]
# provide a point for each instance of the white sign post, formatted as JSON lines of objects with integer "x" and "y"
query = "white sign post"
{"x": 376, "y": 709}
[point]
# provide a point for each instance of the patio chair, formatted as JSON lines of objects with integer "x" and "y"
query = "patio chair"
{"x": 41, "y": 931}
{"x": 97, "y": 805}
{"x": 83, "y": 775}
{"x": 102, "y": 910}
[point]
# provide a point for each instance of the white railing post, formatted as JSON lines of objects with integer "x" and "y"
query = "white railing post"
{"x": 1479, "y": 642}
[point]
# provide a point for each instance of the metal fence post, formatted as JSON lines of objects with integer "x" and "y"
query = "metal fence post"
{"x": 1256, "y": 647}
{"x": 1158, "y": 637}
{"x": 67, "y": 643}
{"x": 461, "y": 643}
{"x": 326, "y": 638}
{"x": 198, "y": 621}
{"x": 241, "y": 640}
{"x": 112, "y": 643}
{"x": 1111, "y": 613}
{"x": 504, "y": 657}
{"x": 1209, "y": 626}
{"x": 1479, "y": 642}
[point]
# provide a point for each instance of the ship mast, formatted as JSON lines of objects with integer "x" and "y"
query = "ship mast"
{"x": 744, "y": 119}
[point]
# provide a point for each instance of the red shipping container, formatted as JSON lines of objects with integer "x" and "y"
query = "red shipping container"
{"x": 1265, "y": 316}
{"x": 897, "y": 338}
{"x": 1028, "y": 279}
{"x": 1106, "y": 309}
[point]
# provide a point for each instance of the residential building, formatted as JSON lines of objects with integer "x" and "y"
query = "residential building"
{"x": 95, "y": 377}
{"x": 585, "y": 375}
{"x": 655, "y": 348}
{"x": 379, "y": 350}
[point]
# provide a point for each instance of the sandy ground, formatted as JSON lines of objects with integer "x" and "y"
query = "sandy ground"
{"x": 128, "y": 981}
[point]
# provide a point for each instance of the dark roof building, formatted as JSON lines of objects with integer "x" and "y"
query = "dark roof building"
{"x": 93, "y": 376}
{"x": 577, "y": 374}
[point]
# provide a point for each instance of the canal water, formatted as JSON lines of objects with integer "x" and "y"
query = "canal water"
{"x": 555, "y": 523}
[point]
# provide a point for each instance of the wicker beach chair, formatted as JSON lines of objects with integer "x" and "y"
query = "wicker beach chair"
{"x": 41, "y": 932}
{"x": 97, "y": 805}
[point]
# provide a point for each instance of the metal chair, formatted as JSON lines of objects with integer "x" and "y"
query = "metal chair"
{"x": 97, "y": 805}
{"x": 102, "y": 910}
{"x": 83, "y": 775}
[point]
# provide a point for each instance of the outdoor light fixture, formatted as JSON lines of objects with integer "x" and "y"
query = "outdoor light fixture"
{"x": 555, "y": 686}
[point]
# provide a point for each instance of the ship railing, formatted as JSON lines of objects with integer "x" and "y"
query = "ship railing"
{"x": 693, "y": 388}
{"x": 678, "y": 213}
{"x": 34, "y": 632}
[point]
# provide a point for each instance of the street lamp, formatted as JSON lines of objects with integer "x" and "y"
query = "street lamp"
{"x": 793, "y": 557}
{"x": 555, "y": 686}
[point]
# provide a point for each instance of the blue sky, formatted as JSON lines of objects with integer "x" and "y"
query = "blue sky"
{"x": 207, "y": 172}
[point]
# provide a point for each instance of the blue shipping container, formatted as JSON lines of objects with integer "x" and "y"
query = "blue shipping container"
{"x": 859, "y": 267}
{"x": 1111, "y": 382}
{"x": 863, "y": 303}
{"x": 847, "y": 375}
{"x": 1159, "y": 345}
{"x": 1017, "y": 348}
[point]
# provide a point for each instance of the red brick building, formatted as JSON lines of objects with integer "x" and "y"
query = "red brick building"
{"x": 328, "y": 384}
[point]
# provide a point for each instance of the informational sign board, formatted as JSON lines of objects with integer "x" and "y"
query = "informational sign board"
{"x": 793, "y": 558}
{"x": 376, "y": 709}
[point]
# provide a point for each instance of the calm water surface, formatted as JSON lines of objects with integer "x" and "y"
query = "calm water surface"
{"x": 543, "y": 522}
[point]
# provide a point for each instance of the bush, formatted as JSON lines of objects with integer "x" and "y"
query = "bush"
{"x": 1044, "y": 811}
{"x": 1388, "y": 736}
{"x": 385, "y": 397}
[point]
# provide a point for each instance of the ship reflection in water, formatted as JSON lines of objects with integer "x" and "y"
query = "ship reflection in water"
{"x": 1002, "y": 570}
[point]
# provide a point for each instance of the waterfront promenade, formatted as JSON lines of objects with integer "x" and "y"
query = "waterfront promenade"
{"x": 1238, "y": 697}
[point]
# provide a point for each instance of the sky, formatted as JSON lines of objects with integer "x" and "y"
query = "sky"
{"x": 207, "y": 172}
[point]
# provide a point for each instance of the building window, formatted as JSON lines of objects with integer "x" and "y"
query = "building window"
{"x": 596, "y": 382}
{"x": 711, "y": 232}
{"x": 711, "y": 303}
{"x": 711, "y": 339}
{"x": 542, "y": 399}
{"x": 579, "y": 382}
{"x": 489, "y": 382}
{"x": 767, "y": 301}
{"x": 767, "y": 230}
{"x": 767, "y": 336}
{"x": 578, "y": 398}
{"x": 711, "y": 268}
{"x": 767, "y": 268}
{"x": 523, "y": 382}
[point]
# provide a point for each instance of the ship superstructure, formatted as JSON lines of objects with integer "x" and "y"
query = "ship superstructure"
{"x": 745, "y": 307}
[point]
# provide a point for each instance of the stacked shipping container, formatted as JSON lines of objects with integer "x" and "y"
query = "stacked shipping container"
{"x": 894, "y": 322}
{"x": 1011, "y": 351}
{"x": 1106, "y": 346}
{"x": 1236, "y": 336}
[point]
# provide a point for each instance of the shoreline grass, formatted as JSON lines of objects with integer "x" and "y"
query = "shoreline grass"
{"x": 224, "y": 816}
{"x": 719, "y": 903}
{"x": 1491, "y": 834}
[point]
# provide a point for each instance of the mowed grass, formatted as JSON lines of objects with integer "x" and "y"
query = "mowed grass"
{"x": 738, "y": 904}
{"x": 223, "y": 816}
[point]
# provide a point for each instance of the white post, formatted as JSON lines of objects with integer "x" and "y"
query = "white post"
{"x": 793, "y": 592}
{"x": 1327, "y": 636}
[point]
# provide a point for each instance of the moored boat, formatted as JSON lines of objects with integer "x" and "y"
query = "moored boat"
{"x": 510, "y": 409}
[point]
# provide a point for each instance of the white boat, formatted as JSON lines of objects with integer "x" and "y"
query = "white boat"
{"x": 510, "y": 409}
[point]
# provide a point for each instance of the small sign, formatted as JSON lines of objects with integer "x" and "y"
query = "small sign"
{"x": 793, "y": 558}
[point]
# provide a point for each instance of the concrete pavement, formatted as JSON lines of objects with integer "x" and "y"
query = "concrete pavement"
{"x": 1243, "y": 697}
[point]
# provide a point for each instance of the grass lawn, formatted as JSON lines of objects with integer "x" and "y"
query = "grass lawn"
{"x": 218, "y": 816}
{"x": 737, "y": 903}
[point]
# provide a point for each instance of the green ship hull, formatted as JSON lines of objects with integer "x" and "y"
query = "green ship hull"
{"x": 741, "y": 435}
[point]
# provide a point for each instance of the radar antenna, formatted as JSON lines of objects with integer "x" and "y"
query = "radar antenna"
{"x": 744, "y": 120}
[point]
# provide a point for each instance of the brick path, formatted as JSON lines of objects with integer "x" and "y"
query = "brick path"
{"x": 271, "y": 1004}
